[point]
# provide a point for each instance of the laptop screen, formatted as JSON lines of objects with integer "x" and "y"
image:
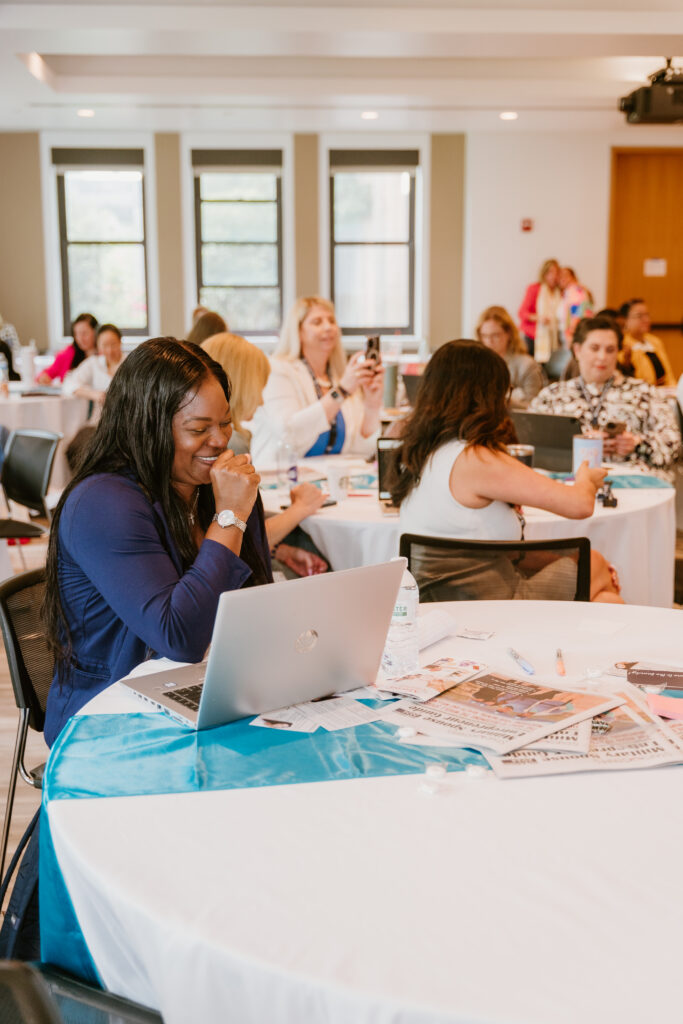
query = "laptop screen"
{"x": 386, "y": 456}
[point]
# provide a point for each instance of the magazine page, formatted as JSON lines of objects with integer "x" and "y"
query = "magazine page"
{"x": 498, "y": 712}
{"x": 576, "y": 739}
{"x": 433, "y": 679}
{"x": 627, "y": 736}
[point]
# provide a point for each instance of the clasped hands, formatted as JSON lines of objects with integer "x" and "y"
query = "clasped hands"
{"x": 235, "y": 483}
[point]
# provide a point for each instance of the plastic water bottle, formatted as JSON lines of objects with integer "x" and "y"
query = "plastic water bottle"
{"x": 401, "y": 652}
{"x": 287, "y": 467}
{"x": 28, "y": 362}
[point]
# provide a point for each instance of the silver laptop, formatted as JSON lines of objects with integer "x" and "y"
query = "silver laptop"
{"x": 281, "y": 644}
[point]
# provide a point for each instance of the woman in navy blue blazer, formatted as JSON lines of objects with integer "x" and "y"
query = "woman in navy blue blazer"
{"x": 160, "y": 519}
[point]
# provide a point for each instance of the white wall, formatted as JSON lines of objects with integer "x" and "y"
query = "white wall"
{"x": 562, "y": 182}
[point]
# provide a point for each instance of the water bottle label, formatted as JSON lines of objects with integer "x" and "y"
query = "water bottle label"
{"x": 401, "y": 611}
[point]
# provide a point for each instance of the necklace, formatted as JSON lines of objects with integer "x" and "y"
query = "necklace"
{"x": 192, "y": 509}
{"x": 595, "y": 404}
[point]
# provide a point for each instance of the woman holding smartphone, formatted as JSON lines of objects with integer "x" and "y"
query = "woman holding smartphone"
{"x": 321, "y": 403}
{"x": 637, "y": 425}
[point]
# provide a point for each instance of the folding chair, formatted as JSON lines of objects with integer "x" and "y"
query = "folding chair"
{"x": 30, "y": 668}
{"x": 29, "y": 995}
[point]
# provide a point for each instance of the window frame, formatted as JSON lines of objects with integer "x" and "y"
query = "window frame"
{"x": 239, "y": 161}
{"x": 369, "y": 161}
{"x": 64, "y": 159}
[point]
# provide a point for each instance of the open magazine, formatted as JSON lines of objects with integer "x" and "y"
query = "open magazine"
{"x": 628, "y": 736}
{"x": 499, "y": 713}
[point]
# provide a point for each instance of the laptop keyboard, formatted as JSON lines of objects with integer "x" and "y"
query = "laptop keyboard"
{"x": 188, "y": 696}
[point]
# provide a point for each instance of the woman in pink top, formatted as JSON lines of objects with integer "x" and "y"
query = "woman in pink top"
{"x": 83, "y": 345}
{"x": 538, "y": 312}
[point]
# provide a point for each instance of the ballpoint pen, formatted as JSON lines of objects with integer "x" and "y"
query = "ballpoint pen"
{"x": 524, "y": 665}
{"x": 559, "y": 663}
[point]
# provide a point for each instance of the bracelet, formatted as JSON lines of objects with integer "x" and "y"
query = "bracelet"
{"x": 343, "y": 392}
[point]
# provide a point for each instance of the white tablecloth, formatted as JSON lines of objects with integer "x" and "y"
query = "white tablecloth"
{"x": 638, "y": 536}
{"x": 536, "y": 900}
{"x": 57, "y": 414}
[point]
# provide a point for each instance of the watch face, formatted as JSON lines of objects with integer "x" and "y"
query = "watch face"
{"x": 226, "y": 518}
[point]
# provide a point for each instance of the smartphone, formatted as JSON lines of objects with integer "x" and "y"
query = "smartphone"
{"x": 372, "y": 351}
{"x": 614, "y": 429}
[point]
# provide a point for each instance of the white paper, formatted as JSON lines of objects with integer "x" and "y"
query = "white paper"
{"x": 340, "y": 713}
{"x": 293, "y": 719}
{"x": 575, "y": 739}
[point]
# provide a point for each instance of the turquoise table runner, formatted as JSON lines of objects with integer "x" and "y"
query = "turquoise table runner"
{"x": 147, "y": 754}
{"x": 636, "y": 482}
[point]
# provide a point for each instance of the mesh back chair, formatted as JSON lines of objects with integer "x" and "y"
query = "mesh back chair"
{"x": 30, "y": 668}
{"x": 24, "y": 996}
{"x": 471, "y": 570}
{"x": 25, "y": 478}
{"x": 47, "y": 996}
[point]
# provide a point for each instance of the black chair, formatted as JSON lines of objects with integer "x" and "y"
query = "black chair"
{"x": 470, "y": 570}
{"x": 47, "y": 996}
{"x": 25, "y": 478}
{"x": 30, "y": 668}
{"x": 557, "y": 363}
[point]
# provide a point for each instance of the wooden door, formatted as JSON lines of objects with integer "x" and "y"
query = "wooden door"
{"x": 646, "y": 228}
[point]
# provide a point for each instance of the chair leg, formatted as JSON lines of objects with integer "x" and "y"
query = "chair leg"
{"x": 20, "y": 743}
{"x": 22, "y": 557}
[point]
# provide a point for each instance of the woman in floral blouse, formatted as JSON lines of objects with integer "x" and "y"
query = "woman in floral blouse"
{"x": 601, "y": 395}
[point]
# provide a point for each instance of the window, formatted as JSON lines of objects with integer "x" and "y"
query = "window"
{"x": 238, "y": 228}
{"x": 101, "y": 203}
{"x": 372, "y": 238}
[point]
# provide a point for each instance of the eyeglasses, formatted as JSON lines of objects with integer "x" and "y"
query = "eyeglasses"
{"x": 493, "y": 336}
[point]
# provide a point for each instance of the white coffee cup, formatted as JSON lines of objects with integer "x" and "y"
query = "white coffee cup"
{"x": 337, "y": 480}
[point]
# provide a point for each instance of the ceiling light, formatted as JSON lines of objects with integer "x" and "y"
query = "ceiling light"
{"x": 369, "y": 115}
{"x": 509, "y": 115}
{"x": 85, "y": 112}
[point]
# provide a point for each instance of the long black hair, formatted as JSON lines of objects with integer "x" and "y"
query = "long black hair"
{"x": 79, "y": 354}
{"x": 462, "y": 394}
{"x": 134, "y": 436}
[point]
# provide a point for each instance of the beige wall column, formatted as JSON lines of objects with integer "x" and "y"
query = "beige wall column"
{"x": 306, "y": 212}
{"x": 174, "y": 319}
{"x": 446, "y": 234}
{"x": 22, "y": 256}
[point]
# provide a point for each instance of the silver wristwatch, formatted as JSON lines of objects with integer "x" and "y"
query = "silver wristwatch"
{"x": 228, "y": 518}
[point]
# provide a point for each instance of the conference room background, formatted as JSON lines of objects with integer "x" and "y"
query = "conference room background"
{"x": 474, "y": 191}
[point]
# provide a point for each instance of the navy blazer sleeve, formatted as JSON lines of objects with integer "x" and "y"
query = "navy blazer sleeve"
{"x": 109, "y": 528}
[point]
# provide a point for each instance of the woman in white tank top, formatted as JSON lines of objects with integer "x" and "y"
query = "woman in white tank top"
{"x": 455, "y": 478}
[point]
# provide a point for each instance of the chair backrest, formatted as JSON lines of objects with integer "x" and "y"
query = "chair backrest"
{"x": 447, "y": 569}
{"x": 24, "y": 997}
{"x": 28, "y": 656}
{"x": 26, "y": 469}
{"x": 556, "y": 364}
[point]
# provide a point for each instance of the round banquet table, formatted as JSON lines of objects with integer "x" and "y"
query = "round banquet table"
{"x": 371, "y": 899}
{"x": 58, "y": 414}
{"x": 638, "y": 536}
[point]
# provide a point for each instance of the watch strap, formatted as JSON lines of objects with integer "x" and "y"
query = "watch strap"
{"x": 230, "y": 520}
